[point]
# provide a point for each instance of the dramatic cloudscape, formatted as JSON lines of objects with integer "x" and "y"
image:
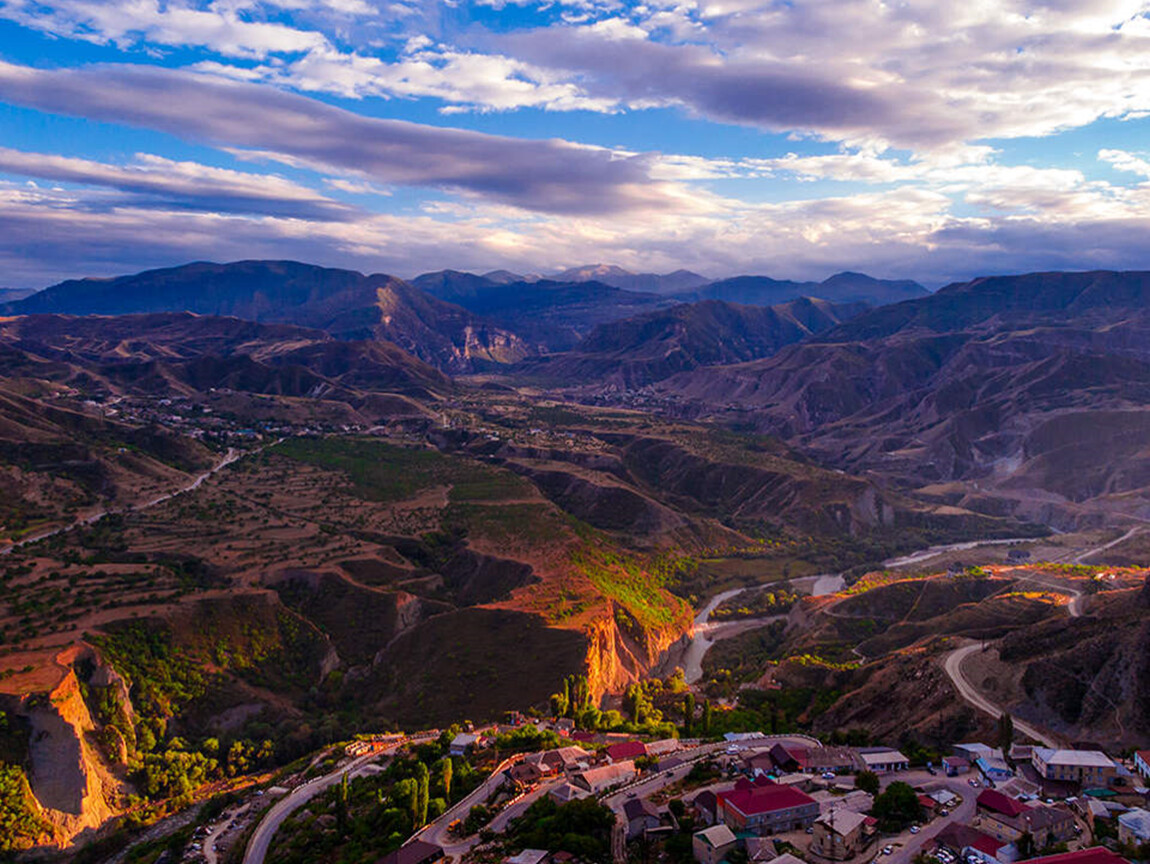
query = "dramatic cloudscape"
{"x": 935, "y": 141}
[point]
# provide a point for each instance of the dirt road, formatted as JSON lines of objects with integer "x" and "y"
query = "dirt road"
{"x": 96, "y": 515}
{"x": 953, "y": 667}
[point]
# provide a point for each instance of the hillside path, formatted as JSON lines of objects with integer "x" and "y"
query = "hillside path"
{"x": 953, "y": 667}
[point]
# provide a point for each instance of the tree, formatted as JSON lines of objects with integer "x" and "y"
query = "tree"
{"x": 445, "y": 771}
{"x": 708, "y": 717}
{"x": 868, "y": 782}
{"x": 688, "y": 712}
{"x": 897, "y": 807}
{"x": 341, "y": 797}
{"x": 422, "y": 780}
{"x": 1005, "y": 732}
{"x": 405, "y": 793}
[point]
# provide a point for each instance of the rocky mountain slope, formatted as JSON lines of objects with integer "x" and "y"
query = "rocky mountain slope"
{"x": 1012, "y": 394}
{"x": 646, "y": 348}
{"x": 343, "y": 303}
{"x": 550, "y": 314}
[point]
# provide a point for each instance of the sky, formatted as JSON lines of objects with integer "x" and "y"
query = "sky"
{"x": 936, "y": 141}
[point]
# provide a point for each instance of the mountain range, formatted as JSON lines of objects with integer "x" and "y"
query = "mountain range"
{"x": 1021, "y": 394}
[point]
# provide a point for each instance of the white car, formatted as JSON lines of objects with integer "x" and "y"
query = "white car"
{"x": 914, "y": 829}
{"x": 829, "y": 775}
{"x": 887, "y": 850}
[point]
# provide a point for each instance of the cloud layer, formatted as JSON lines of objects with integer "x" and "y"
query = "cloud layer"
{"x": 922, "y": 140}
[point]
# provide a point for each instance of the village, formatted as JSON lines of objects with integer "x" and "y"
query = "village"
{"x": 752, "y": 798}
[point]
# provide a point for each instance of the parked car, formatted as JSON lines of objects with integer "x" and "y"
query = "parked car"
{"x": 914, "y": 829}
{"x": 829, "y": 775}
{"x": 887, "y": 850}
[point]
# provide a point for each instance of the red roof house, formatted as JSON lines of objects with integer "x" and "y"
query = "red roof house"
{"x": 626, "y": 750}
{"x": 996, "y": 802}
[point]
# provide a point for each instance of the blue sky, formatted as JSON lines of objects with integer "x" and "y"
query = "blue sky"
{"x": 795, "y": 139}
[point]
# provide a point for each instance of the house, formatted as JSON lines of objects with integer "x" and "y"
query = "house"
{"x": 626, "y": 750}
{"x": 952, "y": 766}
{"x": 415, "y": 852}
{"x": 1142, "y": 763}
{"x": 831, "y": 760}
{"x": 1134, "y": 827}
{"x": 883, "y": 760}
{"x": 970, "y": 752}
{"x": 1007, "y": 820}
{"x": 1092, "y": 769}
{"x": 565, "y": 726}
{"x": 664, "y": 747}
{"x": 928, "y": 804}
{"x": 789, "y": 757}
{"x": 840, "y": 834}
{"x": 462, "y": 743}
{"x": 705, "y": 806}
{"x": 969, "y": 842}
{"x": 711, "y": 845}
{"x": 560, "y": 759}
{"x": 994, "y": 768}
{"x": 596, "y": 780}
{"x": 641, "y": 817}
{"x": 1021, "y": 752}
{"x": 528, "y": 856}
{"x": 760, "y": 850}
{"x": 524, "y": 773}
{"x": 1091, "y": 855}
{"x": 566, "y": 793}
{"x": 759, "y": 763}
{"x": 766, "y": 809}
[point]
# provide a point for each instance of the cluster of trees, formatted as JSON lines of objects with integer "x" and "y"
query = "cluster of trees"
{"x": 574, "y": 700}
{"x": 582, "y": 828}
{"x": 20, "y": 825}
{"x": 897, "y": 807}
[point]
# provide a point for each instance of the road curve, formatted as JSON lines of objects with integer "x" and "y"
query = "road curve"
{"x": 953, "y": 667}
{"x": 261, "y": 838}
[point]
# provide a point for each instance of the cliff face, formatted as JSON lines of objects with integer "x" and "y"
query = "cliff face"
{"x": 618, "y": 656}
{"x": 67, "y": 776}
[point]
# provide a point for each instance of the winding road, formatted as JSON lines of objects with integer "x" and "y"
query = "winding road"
{"x": 231, "y": 456}
{"x": 953, "y": 667}
{"x": 705, "y": 633}
{"x": 261, "y": 838}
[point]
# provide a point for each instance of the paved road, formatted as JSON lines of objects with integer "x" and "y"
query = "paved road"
{"x": 934, "y": 551}
{"x": 436, "y": 832}
{"x": 953, "y": 667}
{"x": 261, "y": 838}
{"x": 1137, "y": 529}
{"x": 908, "y": 845}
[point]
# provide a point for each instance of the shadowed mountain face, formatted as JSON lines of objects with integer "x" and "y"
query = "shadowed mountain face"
{"x": 844, "y": 287}
{"x": 343, "y": 303}
{"x": 647, "y": 348}
{"x": 1036, "y": 388}
{"x": 181, "y": 352}
{"x": 551, "y": 314}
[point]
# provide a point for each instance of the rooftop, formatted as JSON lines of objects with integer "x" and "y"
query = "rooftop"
{"x": 765, "y": 799}
{"x": 626, "y": 750}
{"x": 1076, "y": 758}
{"x": 991, "y": 799}
{"x": 842, "y": 821}
{"x": 716, "y": 836}
{"x": 1137, "y": 820}
{"x": 1093, "y": 855}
